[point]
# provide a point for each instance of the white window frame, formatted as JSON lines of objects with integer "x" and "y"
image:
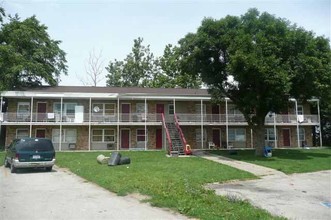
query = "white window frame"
{"x": 103, "y": 135}
{"x": 171, "y": 109}
{"x": 142, "y": 135}
{"x": 104, "y": 109}
{"x": 198, "y": 135}
{"x": 64, "y": 108}
{"x": 232, "y": 110}
{"x": 22, "y": 129}
{"x": 302, "y": 133}
{"x": 198, "y": 108}
{"x": 268, "y": 133}
{"x": 64, "y": 135}
{"x": 300, "y": 110}
{"x": 236, "y": 138}
{"x": 23, "y": 114}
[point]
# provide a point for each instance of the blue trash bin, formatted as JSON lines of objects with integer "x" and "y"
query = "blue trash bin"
{"x": 267, "y": 151}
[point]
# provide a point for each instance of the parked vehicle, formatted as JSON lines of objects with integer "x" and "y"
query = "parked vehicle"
{"x": 30, "y": 153}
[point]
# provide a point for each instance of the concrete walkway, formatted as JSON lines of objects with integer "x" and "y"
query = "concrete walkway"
{"x": 257, "y": 170}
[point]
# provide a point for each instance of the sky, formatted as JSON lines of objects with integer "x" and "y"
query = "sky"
{"x": 110, "y": 26}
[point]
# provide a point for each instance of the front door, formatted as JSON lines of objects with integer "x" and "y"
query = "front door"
{"x": 286, "y": 138}
{"x": 125, "y": 138}
{"x": 158, "y": 138}
{"x": 159, "y": 111}
{"x": 217, "y": 138}
{"x": 215, "y": 110}
{"x": 41, "y": 110}
{"x": 40, "y": 133}
{"x": 125, "y": 112}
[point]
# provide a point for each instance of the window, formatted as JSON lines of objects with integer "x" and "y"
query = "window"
{"x": 141, "y": 135}
{"x": 237, "y": 134}
{"x": 140, "y": 108}
{"x": 103, "y": 135}
{"x": 23, "y": 110}
{"x": 198, "y": 135}
{"x": 22, "y": 133}
{"x": 269, "y": 134}
{"x": 232, "y": 110}
{"x": 68, "y": 135}
{"x": 198, "y": 108}
{"x": 67, "y": 108}
{"x": 103, "y": 108}
{"x": 302, "y": 134}
{"x": 300, "y": 110}
{"x": 171, "y": 109}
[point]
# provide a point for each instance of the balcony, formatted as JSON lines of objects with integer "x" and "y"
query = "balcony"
{"x": 150, "y": 118}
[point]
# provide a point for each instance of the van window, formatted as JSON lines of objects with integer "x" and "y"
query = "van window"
{"x": 34, "y": 145}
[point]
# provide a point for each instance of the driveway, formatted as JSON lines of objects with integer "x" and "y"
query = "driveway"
{"x": 296, "y": 196}
{"x": 62, "y": 195}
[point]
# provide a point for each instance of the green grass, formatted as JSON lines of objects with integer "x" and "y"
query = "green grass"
{"x": 175, "y": 183}
{"x": 287, "y": 160}
{"x": 2, "y": 157}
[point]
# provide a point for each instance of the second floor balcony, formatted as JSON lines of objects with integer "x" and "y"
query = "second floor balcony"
{"x": 149, "y": 118}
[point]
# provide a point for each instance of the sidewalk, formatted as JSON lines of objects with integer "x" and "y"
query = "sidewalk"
{"x": 257, "y": 170}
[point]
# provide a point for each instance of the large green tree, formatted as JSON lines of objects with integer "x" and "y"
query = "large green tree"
{"x": 28, "y": 56}
{"x": 259, "y": 62}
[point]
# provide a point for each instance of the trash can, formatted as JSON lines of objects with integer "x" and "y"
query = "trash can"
{"x": 267, "y": 151}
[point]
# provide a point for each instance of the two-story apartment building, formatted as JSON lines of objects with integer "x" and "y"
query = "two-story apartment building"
{"x": 101, "y": 118}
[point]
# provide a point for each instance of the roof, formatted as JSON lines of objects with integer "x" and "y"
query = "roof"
{"x": 106, "y": 92}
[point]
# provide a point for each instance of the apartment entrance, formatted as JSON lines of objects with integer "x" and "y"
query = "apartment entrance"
{"x": 159, "y": 111}
{"x": 126, "y": 112}
{"x": 215, "y": 113}
{"x": 41, "y": 111}
{"x": 286, "y": 137}
{"x": 125, "y": 138}
{"x": 158, "y": 139}
{"x": 217, "y": 137}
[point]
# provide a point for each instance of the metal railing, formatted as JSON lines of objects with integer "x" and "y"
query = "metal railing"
{"x": 151, "y": 117}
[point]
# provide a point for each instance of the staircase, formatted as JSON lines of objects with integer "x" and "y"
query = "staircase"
{"x": 177, "y": 146}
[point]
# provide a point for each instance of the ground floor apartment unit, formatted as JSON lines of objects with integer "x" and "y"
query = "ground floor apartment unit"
{"x": 109, "y": 118}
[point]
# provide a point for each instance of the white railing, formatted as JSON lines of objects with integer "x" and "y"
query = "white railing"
{"x": 151, "y": 117}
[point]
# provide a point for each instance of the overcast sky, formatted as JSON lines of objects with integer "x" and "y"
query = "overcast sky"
{"x": 110, "y": 26}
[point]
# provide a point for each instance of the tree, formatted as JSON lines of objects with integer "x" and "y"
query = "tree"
{"x": 28, "y": 56}
{"x": 94, "y": 70}
{"x": 136, "y": 69}
{"x": 259, "y": 62}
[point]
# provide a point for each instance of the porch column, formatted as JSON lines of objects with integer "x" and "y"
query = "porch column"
{"x": 31, "y": 116}
{"x": 227, "y": 122}
{"x": 1, "y": 115}
{"x": 201, "y": 121}
{"x": 118, "y": 123}
{"x": 174, "y": 105}
{"x": 296, "y": 113}
{"x": 89, "y": 125}
{"x": 275, "y": 130}
{"x": 319, "y": 120}
{"x": 61, "y": 115}
{"x": 145, "y": 112}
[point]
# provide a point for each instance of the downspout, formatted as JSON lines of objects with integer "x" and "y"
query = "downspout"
{"x": 319, "y": 120}
{"x": 89, "y": 125}
{"x": 31, "y": 116}
{"x": 61, "y": 115}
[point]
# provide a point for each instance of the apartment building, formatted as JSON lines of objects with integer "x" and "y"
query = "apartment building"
{"x": 109, "y": 118}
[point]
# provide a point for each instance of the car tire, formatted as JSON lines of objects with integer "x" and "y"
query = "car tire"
{"x": 48, "y": 169}
{"x": 6, "y": 163}
{"x": 12, "y": 168}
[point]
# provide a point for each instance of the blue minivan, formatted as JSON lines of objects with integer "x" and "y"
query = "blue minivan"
{"x": 30, "y": 153}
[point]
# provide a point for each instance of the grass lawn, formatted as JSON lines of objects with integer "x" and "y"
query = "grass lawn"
{"x": 175, "y": 183}
{"x": 287, "y": 160}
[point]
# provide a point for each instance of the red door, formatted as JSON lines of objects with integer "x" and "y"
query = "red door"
{"x": 40, "y": 133}
{"x": 125, "y": 112}
{"x": 158, "y": 138}
{"x": 216, "y": 137}
{"x": 41, "y": 111}
{"x": 286, "y": 138}
{"x": 215, "y": 110}
{"x": 125, "y": 138}
{"x": 159, "y": 111}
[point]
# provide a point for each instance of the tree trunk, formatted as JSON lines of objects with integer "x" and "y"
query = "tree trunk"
{"x": 259, "y": 140}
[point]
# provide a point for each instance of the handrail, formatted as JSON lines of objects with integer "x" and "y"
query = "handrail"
{"x": 167, "y": 133}
{"x": 182, "y": 137}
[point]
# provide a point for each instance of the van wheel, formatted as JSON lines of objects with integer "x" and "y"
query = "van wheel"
{"x": 12, "y": 168}
{"x": 6, "y": 163}
{"x": 48, "y": 169}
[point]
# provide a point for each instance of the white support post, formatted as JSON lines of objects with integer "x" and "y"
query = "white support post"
{"x": 275, "y": 131}
{"x": 296, "y": 112}
{"x": 226, "y": 122}
{"x": 201, "y": 121}
{"x": 61, "y": 117}
{"x": 89, "y": 125}
{"x": 145, "y": 112}
{"x": 118, "y": 123}
{"x": 319, "y": 120}
{"x": 2, "y": 115}
{"x": 174, "y": 105}
{"x": 31, "y": 116}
